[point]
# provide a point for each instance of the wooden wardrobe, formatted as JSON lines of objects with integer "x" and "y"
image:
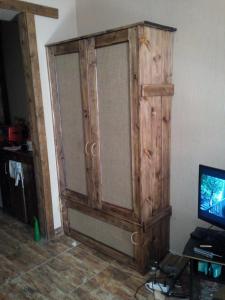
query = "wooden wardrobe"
{"x": 111, "y": 103}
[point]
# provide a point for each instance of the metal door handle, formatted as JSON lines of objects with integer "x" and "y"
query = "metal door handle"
{"x": 86, "y": 148}
{"x": 6, "y": 169}
{"x": 132, "y": 238}
{"x": 92, "y": 149}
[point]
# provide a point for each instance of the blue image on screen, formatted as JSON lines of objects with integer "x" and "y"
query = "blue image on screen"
{"x": 212, "y": 195}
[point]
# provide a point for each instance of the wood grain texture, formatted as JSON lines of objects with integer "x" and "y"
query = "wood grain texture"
{"x": 71, "y": 47}
{"x": 109, "y": 39}
{"x": 55, "y": 104}
{"x": 151, "y": 90}
{"x": 37, "y": 123}
{"x": 155, "y": 75}
{"x": 86, "y": 114}
{"x": 96, "y": 176}
{"x": 135, "y": 125}
{"x": 108, "y": 217}
{"x": 26, "y": 7}
{"x": 121, "y": 28}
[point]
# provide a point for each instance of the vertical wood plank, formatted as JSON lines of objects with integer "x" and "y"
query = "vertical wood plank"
{"x": 155, "y": 68}
{"x": 166, "y": 118}
{"x": 35, "y": 105}
{"x": 166, "y": 139}
{"x": 55, "y": 104}
{"x": 94, "y": 124}
{"x": 91, "y": 119}
{"x": 83, "y": 54}
{"x": 134, "y": 100}
{"x": 155, "y": 56}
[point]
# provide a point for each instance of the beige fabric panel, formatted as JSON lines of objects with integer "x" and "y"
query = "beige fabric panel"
{"x": 68, "y": 76}
{"x": 114, "y": 118}
{"x": 105, "y": 233}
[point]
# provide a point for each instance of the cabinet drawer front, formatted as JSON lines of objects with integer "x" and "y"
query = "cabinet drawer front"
{"x": 114, "y": 121}
{"x": 105, "y": 233}
{"x": 70, "y": 102}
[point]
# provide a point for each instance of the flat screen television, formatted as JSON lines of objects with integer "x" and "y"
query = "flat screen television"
{"x": 211, "y": 196}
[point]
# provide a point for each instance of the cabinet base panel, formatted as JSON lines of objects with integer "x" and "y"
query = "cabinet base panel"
{"x": 98, "y": 246}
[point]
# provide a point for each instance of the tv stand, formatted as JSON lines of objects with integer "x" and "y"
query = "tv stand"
{"x": 204, "y": 236}
{"x": 214, "y": 238}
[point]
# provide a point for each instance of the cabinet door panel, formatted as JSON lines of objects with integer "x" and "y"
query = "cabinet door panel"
{"x": 70, "y": 101}
{"x": 106, "y": 233}
{"x": 114, "y": 120}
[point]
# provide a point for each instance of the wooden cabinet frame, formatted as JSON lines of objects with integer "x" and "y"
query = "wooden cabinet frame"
{"x": 87, "y": 52}
{"x": 149, "y": 97}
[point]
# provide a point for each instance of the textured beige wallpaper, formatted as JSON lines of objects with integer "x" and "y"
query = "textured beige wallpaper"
{"x": 68, "y": 73}
{"x": 114, "y": 111}
{"x": 108, "y": 234}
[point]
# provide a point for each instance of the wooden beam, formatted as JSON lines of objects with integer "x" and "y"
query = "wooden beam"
{"x": 152, "y": 90}
{"x": 27, "y": 7}
{"x": 37, "y": 124}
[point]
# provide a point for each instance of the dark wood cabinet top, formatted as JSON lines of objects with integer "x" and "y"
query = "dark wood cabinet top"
{"x": 141, "y": 23}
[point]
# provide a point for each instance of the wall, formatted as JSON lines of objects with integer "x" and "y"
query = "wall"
{"x": 14, "y": 75}
{"x": 198, "y": 114}
{"x": 53, "y": 30}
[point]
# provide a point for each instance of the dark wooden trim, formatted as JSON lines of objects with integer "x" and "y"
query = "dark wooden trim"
{"x": 56, "y": 118}
{"x": 37, "y": 123}
{"x": 111, "y": 38}
{"x": 134, "y": 107}
{"x": 152, "y": 90}
{"x": 100, "y": 247}
{"x": 114, "y": 219}
{"x": 119, "y": 211}
{"x": 74, "y": 196}
{"x": 90, "y": 81}
{"x": 27, "y": 7}
{"x": 69, "y": 48}
{"x": 143, "y": 23}
{"x": 86, "y": 114}
{"x": 164, "y": 213}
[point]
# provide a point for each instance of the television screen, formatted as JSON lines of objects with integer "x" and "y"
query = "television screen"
{"x": 211, "y": 196}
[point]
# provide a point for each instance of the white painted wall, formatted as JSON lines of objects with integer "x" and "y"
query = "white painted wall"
{"x": 52, "y": 30}
{"x": 198, "y": 115}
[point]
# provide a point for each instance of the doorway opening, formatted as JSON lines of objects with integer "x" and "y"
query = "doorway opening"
{"x": 27, "y": 129}
{"x": 17, "y": 178}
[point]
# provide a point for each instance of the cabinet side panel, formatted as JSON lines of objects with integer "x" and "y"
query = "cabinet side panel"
{"x": 107, "y": 234}
{"x": 68, "y": 79}
{"x": 151, "y": 164}
{"x": 166, "y": 118}
{"x": 114, "y": 116}
{"x": 155, "y": 55}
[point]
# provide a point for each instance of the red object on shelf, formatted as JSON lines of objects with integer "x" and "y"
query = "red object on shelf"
{"x": 15, "y": 134}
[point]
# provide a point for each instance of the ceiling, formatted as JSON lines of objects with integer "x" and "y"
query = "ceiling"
{"x": 7, "y": 15}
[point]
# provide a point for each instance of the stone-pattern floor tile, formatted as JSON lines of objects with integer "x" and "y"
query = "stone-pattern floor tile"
{"x": 59, "y": 269}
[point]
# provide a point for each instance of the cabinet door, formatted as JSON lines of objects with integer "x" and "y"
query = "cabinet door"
{"x": 113, "y": 88}
{"x": 73, "y": 144}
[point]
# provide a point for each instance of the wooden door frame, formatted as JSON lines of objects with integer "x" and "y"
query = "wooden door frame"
{"x": 35, "y": 104}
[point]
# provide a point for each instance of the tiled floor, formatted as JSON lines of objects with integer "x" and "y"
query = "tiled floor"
{"x": 60, "y": 270}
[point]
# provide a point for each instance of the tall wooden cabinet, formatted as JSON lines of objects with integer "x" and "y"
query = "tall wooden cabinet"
{"x": 111, "y": 100}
